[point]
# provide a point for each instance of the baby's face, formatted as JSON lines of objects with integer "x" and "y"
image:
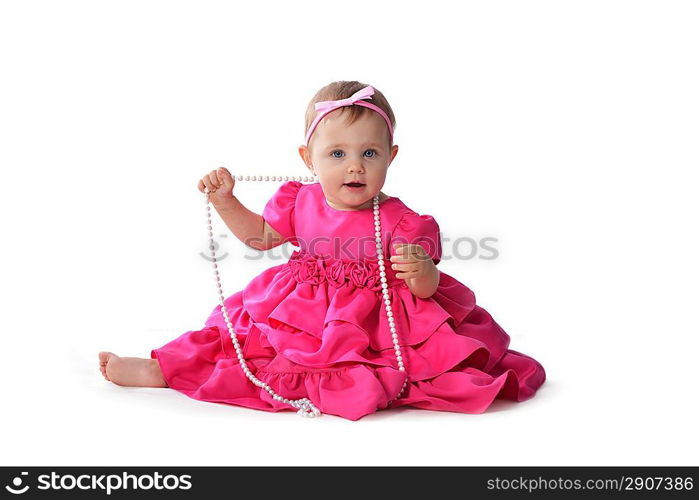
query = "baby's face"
{"x": 341, "y": 153}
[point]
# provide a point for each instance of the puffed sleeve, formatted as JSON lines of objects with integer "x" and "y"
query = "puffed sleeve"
{"x": 279, "y": 210}
{"x": 419, "y": 229}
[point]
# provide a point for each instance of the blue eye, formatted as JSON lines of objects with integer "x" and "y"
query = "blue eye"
{"x": 373, "y": 151}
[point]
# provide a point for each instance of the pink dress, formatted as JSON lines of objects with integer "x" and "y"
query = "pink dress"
{"x": 316, "y": 327}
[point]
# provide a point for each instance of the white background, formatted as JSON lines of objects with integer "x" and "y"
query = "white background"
{"x": 566, "y": 130}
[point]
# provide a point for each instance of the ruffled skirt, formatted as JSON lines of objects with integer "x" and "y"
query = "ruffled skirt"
{"x": 333, "y": 346}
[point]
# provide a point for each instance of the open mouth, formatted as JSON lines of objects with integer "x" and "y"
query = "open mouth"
{"x": 354, "y": 184}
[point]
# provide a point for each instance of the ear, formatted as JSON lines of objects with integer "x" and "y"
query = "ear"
{"x": 306, "y": 156}
{"x": 394, "y": 151}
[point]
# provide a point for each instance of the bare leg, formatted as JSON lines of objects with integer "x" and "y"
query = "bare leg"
{"x": 131, "y": 372}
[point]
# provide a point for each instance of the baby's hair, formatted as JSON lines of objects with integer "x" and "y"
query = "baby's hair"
{"x": 342, "y": 90}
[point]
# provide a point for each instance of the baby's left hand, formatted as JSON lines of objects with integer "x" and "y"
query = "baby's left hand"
{"x": 412, "y": 260}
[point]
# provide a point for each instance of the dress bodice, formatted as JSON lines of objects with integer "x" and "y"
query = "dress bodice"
{"x": 301, "y": 214}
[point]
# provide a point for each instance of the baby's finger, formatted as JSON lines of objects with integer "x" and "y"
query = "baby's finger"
{"x": 401, "y": 258}
{"x": 225, "y": 176}
{"x": 401, "y": 248}
{"x": 208, "y": 184}
{"x": 214, "y": 179}
{"x": 405, "y": 267}
{"x": 412, "y": 252}
{"x": 401, "y": 252}
{"x": 219, "y": 176}
{"x": 406, "y": 275}
{"x": 201, "y": 186}
{"x": 413, "y": 248}
{"x": 397, "y": 251}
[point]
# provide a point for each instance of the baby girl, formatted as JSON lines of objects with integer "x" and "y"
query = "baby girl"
{"x": 337, "y": 325}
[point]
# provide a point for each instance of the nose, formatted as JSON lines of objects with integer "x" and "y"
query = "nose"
{"x": 355, "y": 166}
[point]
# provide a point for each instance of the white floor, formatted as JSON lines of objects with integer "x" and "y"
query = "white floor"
{"x": 602, "y": 404}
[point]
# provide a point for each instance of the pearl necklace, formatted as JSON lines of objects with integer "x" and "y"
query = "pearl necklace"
{"x": 305, "y": 407}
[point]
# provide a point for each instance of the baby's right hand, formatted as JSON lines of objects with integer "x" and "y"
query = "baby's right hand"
{"x": 220, "y": 184}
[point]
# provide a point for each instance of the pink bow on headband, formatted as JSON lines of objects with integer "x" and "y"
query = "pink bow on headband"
{"x": 364, "y": 93}
{"x": 325, "y": 107}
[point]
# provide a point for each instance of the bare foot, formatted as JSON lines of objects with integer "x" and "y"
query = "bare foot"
{"x": 104, "y": 359}
{"x": 131, "y": 372}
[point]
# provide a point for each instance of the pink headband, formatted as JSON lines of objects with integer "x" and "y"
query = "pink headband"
{"x": 325, "y": 107}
